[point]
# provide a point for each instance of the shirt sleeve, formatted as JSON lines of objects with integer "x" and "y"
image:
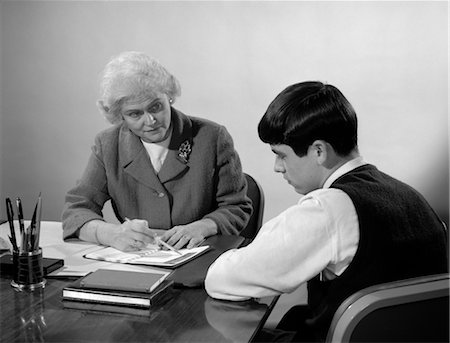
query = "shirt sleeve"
{"x": 289, "y": 250}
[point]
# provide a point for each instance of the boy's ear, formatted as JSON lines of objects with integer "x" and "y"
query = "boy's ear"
{"x": 320, "y": 149}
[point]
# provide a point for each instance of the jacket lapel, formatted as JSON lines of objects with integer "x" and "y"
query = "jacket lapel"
{"x": 174, "y": 165}
{"x": 135, "y": 161}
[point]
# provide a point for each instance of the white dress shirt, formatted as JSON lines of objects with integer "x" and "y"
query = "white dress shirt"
{"x": 158, "y": 152}
{"x": 320, "y": 234}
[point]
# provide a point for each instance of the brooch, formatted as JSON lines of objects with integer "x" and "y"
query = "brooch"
{"x": 184, "y": 151}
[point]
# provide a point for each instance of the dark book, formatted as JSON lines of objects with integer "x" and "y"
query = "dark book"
{"x": 48, "y": 264}
{"x": 121, "y": 288}
{"x": 120, "y": 280}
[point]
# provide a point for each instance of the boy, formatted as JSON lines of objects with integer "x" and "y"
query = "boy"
{"x": 354, "y": 227}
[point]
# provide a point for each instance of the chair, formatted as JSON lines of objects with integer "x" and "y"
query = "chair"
{"x": 256, "y": 195}
{"x": 412, "y": 310}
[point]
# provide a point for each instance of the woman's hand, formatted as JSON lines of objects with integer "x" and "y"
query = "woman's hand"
{"x": 131, "y": 235}
{"x": 190, "y": 235}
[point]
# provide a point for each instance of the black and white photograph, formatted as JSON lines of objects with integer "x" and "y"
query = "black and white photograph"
{"x": 284, "y": 165}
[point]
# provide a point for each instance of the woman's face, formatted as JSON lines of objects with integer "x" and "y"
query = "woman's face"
{"x": 149, "y": 119}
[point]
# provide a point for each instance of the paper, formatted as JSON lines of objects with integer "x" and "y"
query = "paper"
{"x": 151, "y": 256}
{"x": 84, "y": 266}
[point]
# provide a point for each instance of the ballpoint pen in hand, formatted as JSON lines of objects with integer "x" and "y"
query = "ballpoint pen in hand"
{"x": 168, "y": 246}
{"x": 160, "y": 241}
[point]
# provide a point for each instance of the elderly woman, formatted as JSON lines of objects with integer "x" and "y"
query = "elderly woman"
{"x": 159, "y": 167}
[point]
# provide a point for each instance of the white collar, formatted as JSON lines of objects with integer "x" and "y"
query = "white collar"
{"x": 163, "y": 145}
{"x": 345, "y": 168}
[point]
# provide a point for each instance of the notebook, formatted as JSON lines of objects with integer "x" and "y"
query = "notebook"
{"x": 150, "y": 256}
{"x": 123, "y": 280}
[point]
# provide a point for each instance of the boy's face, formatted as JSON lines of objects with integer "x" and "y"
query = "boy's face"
{"x": 302, "y": 173}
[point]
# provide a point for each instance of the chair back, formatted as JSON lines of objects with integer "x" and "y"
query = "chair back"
{"x": 412, "y": 310}
{"x": 256, "y": 195}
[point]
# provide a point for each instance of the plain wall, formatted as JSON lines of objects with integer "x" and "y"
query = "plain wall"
{"x": 232, "y": 59}
{"x": 1, "y": 119}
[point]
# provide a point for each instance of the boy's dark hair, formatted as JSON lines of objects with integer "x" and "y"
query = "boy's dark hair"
{"x": 307, "y": 111}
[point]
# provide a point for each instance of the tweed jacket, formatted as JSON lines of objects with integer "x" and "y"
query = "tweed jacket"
{"x": 200, "y": 178}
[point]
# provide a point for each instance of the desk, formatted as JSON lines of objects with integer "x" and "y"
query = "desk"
{"x": 190, "y": 316}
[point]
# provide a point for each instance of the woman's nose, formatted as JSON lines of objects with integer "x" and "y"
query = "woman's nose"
{"x": 149, "y": 119}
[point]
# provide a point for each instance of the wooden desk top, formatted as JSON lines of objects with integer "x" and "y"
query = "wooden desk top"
{"x": 189, "y": 316}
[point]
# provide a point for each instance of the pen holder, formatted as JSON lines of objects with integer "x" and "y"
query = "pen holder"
{"x": 28, "y": 273}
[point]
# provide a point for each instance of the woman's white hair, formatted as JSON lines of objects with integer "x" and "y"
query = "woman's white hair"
{"x": 134, "y": 76}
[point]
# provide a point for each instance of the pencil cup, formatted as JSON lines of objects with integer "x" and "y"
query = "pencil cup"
{"x": 28, "y": 271}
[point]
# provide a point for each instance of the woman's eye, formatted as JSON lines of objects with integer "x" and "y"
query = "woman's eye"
{"x": 134, "y": 114}
{"x": 155, "y": 108}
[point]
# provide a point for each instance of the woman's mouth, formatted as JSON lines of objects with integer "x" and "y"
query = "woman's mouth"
{"x": 152, "y": 129}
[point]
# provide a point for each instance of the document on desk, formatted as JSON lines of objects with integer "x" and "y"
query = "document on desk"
{"x": 76, "y": 265}
{"x": 151, "y": 256}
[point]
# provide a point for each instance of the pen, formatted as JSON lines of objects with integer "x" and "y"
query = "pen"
{"x": 20, "y": 215}
{"x": 10, "y": 214}
{"x": 168, "y": 246}
{"x": 38, "y": 223}
{"x": 160, "y": 241}
{"x": 35, "y": 225}
{"x": 12, "y": 243}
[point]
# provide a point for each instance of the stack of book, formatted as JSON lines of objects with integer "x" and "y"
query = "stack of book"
{"x": 118, "y": 291}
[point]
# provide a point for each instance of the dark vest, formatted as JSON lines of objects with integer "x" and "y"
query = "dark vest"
{"x": 400, "y": 237}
